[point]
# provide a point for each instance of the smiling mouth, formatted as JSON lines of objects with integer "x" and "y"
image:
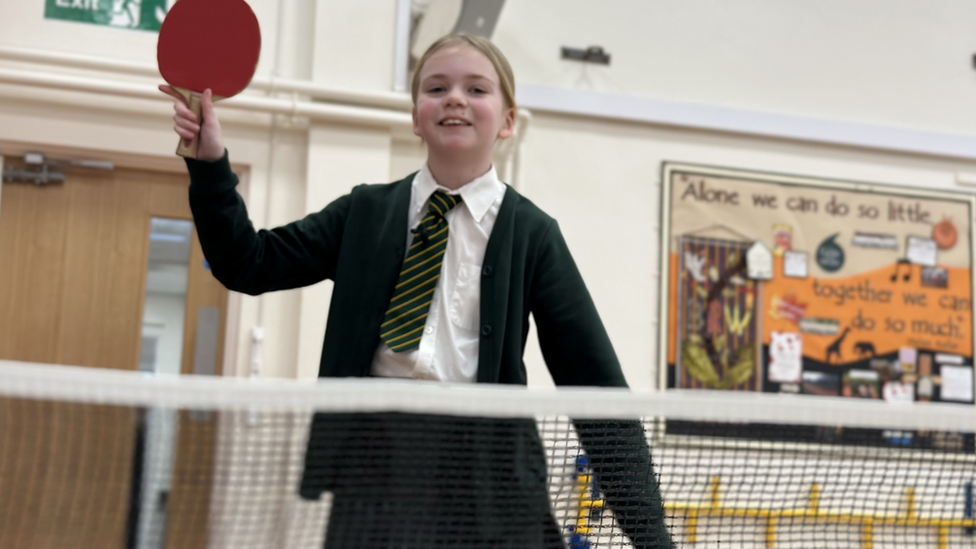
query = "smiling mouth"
{"x": 453, "y": 122}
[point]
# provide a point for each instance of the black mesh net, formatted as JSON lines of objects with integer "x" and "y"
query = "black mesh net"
{"x": 82, "y": 475}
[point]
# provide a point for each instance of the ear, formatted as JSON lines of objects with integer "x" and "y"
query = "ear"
{"x": 508, "y": 125}
{"x": 416, "y": 126}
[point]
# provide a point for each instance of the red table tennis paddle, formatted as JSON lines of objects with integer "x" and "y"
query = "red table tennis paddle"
{"x": 208, "y": 44}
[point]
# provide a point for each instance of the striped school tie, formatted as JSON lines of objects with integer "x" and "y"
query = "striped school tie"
{"x": 403, "y": 324}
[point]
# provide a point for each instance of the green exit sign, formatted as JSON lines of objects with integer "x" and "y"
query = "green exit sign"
{"x": 127, "y": 14}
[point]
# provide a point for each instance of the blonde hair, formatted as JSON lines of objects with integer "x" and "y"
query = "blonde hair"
{"x": 505, "y": 76}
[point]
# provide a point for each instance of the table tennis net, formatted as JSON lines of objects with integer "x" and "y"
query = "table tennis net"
{"x": 96, "y": 458}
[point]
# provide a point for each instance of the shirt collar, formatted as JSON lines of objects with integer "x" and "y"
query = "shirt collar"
{"x": 478, "y": 194}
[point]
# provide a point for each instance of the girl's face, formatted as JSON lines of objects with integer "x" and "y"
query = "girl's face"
{"x": 460, "y": 107}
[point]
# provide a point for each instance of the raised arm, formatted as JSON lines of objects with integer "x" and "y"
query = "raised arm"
{"x": 245, "y": 260}
{"x": 254, "y": 262}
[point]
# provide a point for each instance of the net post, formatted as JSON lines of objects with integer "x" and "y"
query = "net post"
{"x": 815, "y": 498}
{"x": 770, "y": 531}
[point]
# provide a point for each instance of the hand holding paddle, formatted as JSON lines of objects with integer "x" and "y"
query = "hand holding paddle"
{"x": 210, "y": 145}
{"x": 206, "y": 45}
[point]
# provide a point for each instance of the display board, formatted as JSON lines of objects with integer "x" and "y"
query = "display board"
{"x": 791, "y": 284}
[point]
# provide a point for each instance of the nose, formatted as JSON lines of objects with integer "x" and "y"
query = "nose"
{"x": 455, "y": 97}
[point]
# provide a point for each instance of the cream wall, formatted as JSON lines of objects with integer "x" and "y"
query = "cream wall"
{"x": 898, "y": 62}
{"x": 354, "y": 43}
{"x": 889, "y": 63}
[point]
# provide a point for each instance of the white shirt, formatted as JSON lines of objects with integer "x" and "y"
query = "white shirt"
{"x": 448, "y": 348}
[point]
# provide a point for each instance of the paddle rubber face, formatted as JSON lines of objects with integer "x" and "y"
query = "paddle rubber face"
{"x": 209, "y": 44}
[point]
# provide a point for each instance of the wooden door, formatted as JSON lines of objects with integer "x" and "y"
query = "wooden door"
{"x": 188, "y": 510}
{"x": 72, "y": 277}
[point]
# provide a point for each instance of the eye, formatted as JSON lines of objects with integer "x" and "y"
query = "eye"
{"x": 435, "y": 89}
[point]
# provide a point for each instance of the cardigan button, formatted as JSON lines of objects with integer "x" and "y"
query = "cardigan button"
{"x": 486, "y": 271}
{"x": 486, "y": 330}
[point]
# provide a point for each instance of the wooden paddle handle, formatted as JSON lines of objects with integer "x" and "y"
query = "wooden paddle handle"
{"x": 184, "y": 149}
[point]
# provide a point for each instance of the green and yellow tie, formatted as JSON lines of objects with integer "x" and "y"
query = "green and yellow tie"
{"x": 403, "y": 324}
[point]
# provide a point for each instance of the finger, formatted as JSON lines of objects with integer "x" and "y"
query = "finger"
{"x": 187, "y": 124}
{"x": 185, "y": 133}
{"x": 168, "y": 90}
{"x": 183, "y": 111}
{"x": 206, "y": 106}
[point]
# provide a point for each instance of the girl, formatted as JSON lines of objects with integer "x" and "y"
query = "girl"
{"x": 435, "y": 276}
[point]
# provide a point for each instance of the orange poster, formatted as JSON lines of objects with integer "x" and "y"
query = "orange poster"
{"x": 789, "y": 284}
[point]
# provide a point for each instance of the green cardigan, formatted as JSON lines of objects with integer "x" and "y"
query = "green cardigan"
{"x": 358, "y": 242}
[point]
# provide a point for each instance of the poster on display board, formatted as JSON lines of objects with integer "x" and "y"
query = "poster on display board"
{"x": 781, "y": 283}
